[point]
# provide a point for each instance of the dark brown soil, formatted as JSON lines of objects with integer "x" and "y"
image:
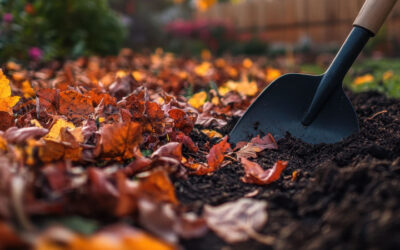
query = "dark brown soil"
{"x": 347, "y": 195}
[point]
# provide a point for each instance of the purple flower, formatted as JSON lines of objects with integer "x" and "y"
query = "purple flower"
{"x": 7, "y": 17}
{"x": 35, "y": 53}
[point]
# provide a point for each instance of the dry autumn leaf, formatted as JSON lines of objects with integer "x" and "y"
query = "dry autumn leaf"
{"x": 236, "y": 221}
{"x": 256, "y": 145}
{"x": 255, "y": 174}
{"x": 7, "y": 102}
{"x": 120, "y": 140}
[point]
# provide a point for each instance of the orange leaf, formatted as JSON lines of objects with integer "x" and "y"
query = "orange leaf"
{"x": 120, "y": 140}
{"x": 254, "y": 173}
{"x": 215, "y": 157}
{"x": 159, "y": 187}
{"x": 75, "y": 105}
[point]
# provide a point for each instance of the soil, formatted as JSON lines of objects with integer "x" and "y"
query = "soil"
{"x": 347, "y": 195}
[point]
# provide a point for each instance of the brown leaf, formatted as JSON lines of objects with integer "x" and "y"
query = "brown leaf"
{"x": 232, "y": 221}
{"x": 75, "y": 105}
{"x": 7, "y": 121}
{"x": 120, "y": 140}
{"x": 255, "y": 174}
{"x": 158, "y": 187}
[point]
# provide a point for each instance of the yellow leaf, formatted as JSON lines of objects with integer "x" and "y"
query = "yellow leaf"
{"x": 243, "y": 87}
{"x": 137, "y": 75}
{"x": 387, "y": 75}
{"x": 121, "y": 74}
{"x": 272, "y": 74}
{"x": 27, "y": 89}
{"x": 215, "y": 100}
{"x": 5, "y": 89}
{"x": 6, "y": 100}
{"x": 247, "y": 63}
{"x": 202, "y": 69}
{"x": 36, "y": 123}
{"x": 198, "y": 99}
{"x": 55, "y": 130}
{"x": 211, "y": 133}
{"x": 363, "y": 79}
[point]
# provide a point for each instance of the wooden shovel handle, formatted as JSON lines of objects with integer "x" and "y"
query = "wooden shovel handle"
{"x": 373, "y": 14}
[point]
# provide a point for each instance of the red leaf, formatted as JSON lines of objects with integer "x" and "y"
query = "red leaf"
{"x": 254, "y": 173}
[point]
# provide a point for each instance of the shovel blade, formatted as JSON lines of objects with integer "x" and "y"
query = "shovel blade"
{"x": 281, "y": 106}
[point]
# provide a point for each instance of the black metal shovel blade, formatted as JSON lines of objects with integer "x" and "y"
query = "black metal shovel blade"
{"x": 281, "y": 106}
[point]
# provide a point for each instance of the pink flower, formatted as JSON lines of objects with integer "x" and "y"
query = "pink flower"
{"x": 7, "y": 17}
{"x": 35, "y": 53}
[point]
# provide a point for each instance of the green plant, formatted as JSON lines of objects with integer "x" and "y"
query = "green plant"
{"x": 41, "y": 29}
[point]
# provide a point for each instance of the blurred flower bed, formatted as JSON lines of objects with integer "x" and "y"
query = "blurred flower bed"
{"x": 39, "y": 30}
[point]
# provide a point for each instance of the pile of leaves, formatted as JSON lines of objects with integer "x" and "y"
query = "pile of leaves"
{"x": 88, "y": 149}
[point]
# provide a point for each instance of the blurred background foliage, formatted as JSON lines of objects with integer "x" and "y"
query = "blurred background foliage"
{"x": 46, "y": 30}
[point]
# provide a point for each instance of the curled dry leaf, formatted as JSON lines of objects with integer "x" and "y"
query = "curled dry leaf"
{"x": 254, "y": 173}
{"x": 21, "y": 135}
{"x": 171, "y": 149}
{"x": 235, "y": 221}
{"x": 217, "y": 153}
{"x": 256, "y": 145}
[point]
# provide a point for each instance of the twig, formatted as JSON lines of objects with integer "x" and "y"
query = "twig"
{"x": 376, "y": 114}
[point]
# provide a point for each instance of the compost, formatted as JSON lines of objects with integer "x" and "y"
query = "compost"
{"x": 346, "y": 195}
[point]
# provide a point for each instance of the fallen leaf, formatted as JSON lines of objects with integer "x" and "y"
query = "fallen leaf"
{"x": 7, "y": 121}
{"x": 256, "y": 145}
{"x": 157, "y": 186}
{"x": 211, "y": 133}
{"x": 75, "y": 105}
{"x": 360, "y": 80}
{"x": 117, "y": 236}
{"x": 233, "y": 221}
{"x": 21, "y": 135}
{"x": 120, "y": 140}
{"x": 255, "y": 174}
{"x": 7, "y": 102}
{"x": 55, "y": 130}
{"x": 198, "y": 99}
{"x": 27, "y": 89}
{"x": 172, "y": 149}
{"x": 272, "y": 74}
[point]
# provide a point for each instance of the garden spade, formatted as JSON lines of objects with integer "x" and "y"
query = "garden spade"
{"x": 314, "y": 109}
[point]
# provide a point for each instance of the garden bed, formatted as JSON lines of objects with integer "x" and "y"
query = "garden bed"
{"x": 346, "y": 195}
{"x": 131, "y": 151}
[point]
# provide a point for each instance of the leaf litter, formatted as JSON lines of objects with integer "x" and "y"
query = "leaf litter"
{"x": 74, "y": 141}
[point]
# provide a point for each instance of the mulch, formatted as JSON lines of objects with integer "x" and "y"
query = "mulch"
{"x": 346, "y": 195}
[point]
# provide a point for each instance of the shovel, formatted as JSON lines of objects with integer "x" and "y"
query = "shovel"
{"x": 314, "y": 109}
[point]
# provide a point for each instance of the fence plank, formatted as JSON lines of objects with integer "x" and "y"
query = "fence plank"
{"x": 289, "y": 20}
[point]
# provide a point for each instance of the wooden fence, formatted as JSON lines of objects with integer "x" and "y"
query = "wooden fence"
{"x": 323, "y": 21}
